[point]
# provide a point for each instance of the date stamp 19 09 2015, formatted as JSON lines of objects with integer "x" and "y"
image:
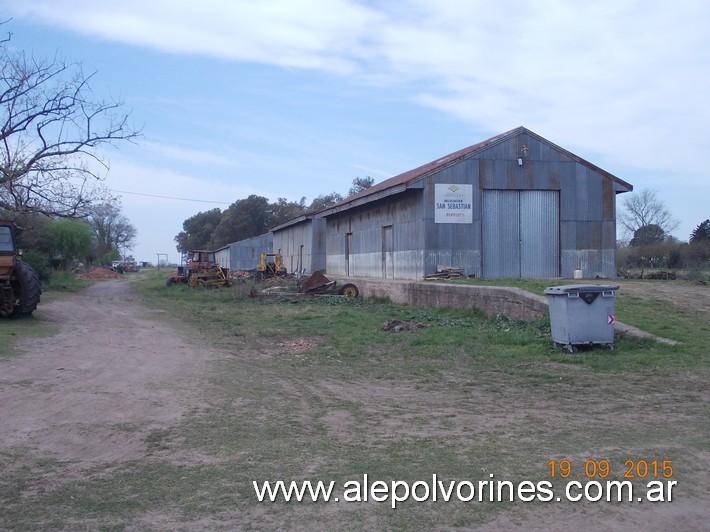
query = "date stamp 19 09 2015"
{"x": 632, "y": 469}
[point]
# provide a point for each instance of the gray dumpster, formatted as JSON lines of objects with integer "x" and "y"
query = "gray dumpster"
{"x": 582, "y": 314}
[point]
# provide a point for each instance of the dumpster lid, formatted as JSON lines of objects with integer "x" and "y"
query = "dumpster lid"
{"x": 581, "y": 288}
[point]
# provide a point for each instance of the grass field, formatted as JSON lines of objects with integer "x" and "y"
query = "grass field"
{"x": 315, "y": 389}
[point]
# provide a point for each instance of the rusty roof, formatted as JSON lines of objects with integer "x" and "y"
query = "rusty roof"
{"x": 400, "y": 182}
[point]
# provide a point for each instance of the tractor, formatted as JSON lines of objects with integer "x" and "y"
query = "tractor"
{"x": 270, "y": 265}
{"x": 20, "y": 288}
{"x": 201, "y": 269}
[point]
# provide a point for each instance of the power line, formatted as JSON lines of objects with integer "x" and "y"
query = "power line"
{"x": 168, "y": 197}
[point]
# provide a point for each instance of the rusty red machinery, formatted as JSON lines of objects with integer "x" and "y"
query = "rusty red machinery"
{"x": 200, "y": 270}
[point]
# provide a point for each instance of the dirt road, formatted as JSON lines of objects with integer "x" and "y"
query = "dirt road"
{"x": 85, "y": 412}
{"x": 94, "y": 391}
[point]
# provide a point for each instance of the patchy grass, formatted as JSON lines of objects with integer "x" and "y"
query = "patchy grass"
{"x": 14, "y": 328}
{"x": 315, "y": 389}
{"x": 348, "y": 326}
{"x": 62, "y": 282}
{"x": 644, "y": 305}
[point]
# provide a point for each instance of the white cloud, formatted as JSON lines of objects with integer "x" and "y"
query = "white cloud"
{"x": 157, "y": 200}
{"x": 184, "y": 154}
{"x": 315, "y": 34}
{"x": 621, "y": 82}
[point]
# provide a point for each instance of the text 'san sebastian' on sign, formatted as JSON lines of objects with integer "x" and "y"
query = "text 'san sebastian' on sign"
{"x": 453, "y": 204}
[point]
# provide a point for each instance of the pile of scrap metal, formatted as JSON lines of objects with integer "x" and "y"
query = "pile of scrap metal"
{"x": 316, "y": 284}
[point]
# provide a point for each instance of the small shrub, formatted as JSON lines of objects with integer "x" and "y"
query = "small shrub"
{"x": 660, "y": 275}
{"x": 39, "y": 262}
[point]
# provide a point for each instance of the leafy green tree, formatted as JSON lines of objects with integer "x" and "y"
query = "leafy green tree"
{"x": 31, "y": 231}
{"x": 701, "y": 233}
{"x": 72, "y": 240}
{"x": 360, "y": 184}
{"x": 324, "y": 201}
{"x": 283, "y": 211}
{"x": 249, "y": 217}
{"x": 648, "y": 235}
{"x": 698, "y": 250}
{"x": 40, "y": 263}
{"x": 34, "y": 238}
{"x": 197, "y": 230}
{"x": 243, "y": 219}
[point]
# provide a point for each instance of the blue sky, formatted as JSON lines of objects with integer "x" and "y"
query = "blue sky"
{"x": 297, "y": 98}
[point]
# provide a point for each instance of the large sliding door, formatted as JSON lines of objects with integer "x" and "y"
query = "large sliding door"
{"x": 521, "y": 233}
{"x": 501, "y": 233}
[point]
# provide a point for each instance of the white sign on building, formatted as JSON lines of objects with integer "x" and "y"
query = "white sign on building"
{"x": 453, "y": 204}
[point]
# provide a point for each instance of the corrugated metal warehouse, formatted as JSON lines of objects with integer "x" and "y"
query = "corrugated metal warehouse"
{"x": 301, "y": 242}
{"x": 515, "y": 205}
{"x": 245, "y": 254}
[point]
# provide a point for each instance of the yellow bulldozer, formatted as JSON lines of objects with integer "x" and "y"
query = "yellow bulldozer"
{"x": 270, "y": 265}
{"x": 20, "y": 287}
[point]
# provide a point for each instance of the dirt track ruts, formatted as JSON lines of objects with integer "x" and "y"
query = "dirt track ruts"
{"x": 112, "y": 366}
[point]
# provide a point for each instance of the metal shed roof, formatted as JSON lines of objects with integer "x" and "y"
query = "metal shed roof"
{"x": 292, "y": 221}
{"x": 401, "y": 182}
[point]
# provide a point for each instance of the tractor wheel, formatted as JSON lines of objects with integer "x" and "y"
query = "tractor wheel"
{"x": 26, "y": 285}
{"x": 349, "y": 290}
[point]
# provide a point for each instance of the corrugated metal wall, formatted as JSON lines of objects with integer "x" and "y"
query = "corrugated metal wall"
{"x": 302, "y": 246}
{"x": 539, "y": 233}
{"x": 521, "y": 233}
{"x": 501, "y": 233}
{"x": 380, "y": 239}
{"x": 564, "y": 212}
{"x": 245, "y": 255}
{"x": 223, "y": 257}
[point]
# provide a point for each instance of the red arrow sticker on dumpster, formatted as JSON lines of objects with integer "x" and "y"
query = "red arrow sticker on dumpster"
{"x": 611, "y": 320}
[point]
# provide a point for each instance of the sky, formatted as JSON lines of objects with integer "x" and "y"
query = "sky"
{"x": 296, "y": 98}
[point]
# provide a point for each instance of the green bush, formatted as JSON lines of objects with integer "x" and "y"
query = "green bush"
{"x": 39, "y": 262}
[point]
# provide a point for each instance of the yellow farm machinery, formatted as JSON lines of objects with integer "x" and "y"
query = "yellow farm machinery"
{"x": 270, "y": 265}
{"x": 200, "y": 270}
{"x": 20, "y": 288}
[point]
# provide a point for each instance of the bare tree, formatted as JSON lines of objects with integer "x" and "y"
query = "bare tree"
{"x": 50, "y": 133}
{"x": 645, "y": 209}
{"x": 112, "y": 230}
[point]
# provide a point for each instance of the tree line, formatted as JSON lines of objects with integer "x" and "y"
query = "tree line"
{"x": 647, "y": 225}
{"x": 50, "y": 243}
{"x": 252, "y": 216}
